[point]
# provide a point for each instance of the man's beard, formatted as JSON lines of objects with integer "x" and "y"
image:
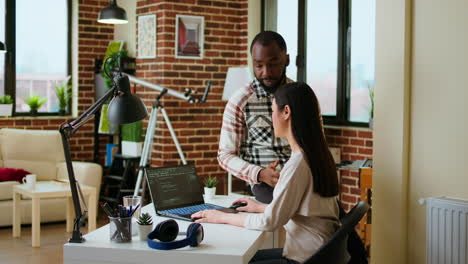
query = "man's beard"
{"x": 272, "y": 89}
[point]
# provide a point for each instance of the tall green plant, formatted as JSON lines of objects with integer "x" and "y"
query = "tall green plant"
{"x": 64, "y": 93}
{"x": 112, "y": 63}
{"x": 132, "y": 132}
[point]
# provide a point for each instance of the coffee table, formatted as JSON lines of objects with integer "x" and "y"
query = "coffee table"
{"x": 49, "y": 189}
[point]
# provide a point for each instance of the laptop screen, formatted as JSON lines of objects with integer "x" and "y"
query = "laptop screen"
{"x": 174, "y": 187}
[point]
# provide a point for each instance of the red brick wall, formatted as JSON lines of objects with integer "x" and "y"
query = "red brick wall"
{"x": 197, "y": 126}
{"x": 355, "y": 144}
{"x": 93, "y": 40}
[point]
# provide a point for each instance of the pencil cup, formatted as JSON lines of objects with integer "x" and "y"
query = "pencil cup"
{"x": 133, "y": 201}
{"x": 120, "y": 229}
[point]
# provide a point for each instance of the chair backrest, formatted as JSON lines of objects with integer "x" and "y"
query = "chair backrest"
{"x": 335, "y": 250}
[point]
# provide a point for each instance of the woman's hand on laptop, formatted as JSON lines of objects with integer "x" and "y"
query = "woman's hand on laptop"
{"x": 251, "y": 207}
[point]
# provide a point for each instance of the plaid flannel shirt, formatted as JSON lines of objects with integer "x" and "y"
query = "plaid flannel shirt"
{"x": 247, "y": 143}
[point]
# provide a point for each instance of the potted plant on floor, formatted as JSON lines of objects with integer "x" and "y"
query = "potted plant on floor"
{"x": 210, "y": 187}
{"x": 145, "y": 225}
{"x": 64, "y": 95}
{"x": 35, "y": 102}
{"x": 6, "y": 105}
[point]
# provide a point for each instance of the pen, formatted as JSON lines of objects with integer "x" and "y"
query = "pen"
{"x": 134, "y": 210}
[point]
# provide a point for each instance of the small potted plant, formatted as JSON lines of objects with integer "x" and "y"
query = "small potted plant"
{"x": 35, "y": 102}
{"x": 210, "y": 187}
{"x": 6, "y": 105}
{"x": 64, "y": 95}
{"x": 145, "y": 225}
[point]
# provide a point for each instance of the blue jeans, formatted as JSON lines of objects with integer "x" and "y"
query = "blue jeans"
{"x": 271, "y": 256}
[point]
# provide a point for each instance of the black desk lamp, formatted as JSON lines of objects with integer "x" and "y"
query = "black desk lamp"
{"x": 124, "y": 108}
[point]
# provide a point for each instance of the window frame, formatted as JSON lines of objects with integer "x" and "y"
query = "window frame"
{"x": 10, "y": 55}
{"x": 343, "y": 95}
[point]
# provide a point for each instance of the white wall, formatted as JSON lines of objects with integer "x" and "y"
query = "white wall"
{"x": 421, "y": 124}
{"x": 127, "y": 32}
{"x": 254, "y": 25}
{"x": 391, "y": 131}
{"x": 439, "y": 123}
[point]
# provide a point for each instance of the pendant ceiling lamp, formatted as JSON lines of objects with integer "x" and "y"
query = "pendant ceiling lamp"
{"x": 113, "y": 14}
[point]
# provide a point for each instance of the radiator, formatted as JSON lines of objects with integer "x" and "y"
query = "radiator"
{"x": 446, "y": 230}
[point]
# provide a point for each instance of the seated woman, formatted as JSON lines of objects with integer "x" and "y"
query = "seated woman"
{"x": 304, "y": 200}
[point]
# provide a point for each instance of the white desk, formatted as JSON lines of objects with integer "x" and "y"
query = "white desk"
{"x": 222, "y": 244}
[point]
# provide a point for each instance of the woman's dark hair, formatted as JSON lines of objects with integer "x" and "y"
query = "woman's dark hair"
{"x": 307, "y": 129}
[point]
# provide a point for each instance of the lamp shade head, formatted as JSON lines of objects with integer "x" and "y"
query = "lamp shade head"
{"x": 236, "y": 78}
{"x": 125, "y": 107}
{"x": 2, "y": 47}
{"x": 113, "y": 14}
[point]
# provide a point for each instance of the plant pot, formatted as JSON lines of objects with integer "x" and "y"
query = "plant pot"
{"x": 131, "y": 148}
{"x": 6, "y": 109}
{"x": 33, "y": 112}
{"x": 62, "y": 112}
{"x": 210, "y": 192}
{"x": 143, "y": 231}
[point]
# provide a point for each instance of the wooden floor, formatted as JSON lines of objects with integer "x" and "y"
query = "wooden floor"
{"x": 53, "y": 236}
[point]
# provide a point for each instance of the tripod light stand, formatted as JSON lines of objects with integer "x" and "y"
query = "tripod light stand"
{"x": 148, "y": 143}
{"x": 124, "y": 108}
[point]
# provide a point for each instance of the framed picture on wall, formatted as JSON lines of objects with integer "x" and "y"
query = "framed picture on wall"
{"x": 189, "y": 37}
{"x": 147, "y": 37}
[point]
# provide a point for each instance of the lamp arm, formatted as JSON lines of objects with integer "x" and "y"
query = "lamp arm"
{"x": 187, "y": 96}
{"x": 74, "y": 125}
{"x": 66, "y": 131}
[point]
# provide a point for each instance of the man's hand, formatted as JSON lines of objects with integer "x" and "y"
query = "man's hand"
{"x": 269, "y": 175}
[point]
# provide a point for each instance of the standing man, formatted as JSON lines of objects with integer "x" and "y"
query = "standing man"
{"x": 247, "y": 146}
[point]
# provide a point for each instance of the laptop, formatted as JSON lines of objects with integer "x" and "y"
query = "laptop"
{"x": 176, "y": 192}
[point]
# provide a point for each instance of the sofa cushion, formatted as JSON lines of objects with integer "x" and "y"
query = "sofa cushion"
{"x": 11, "y": 174}
{"x": 6, "y": 190}
{"x": 1, "y": 157}
{"x": 37, "y": 151}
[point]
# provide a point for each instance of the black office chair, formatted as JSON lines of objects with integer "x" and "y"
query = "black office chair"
{"x": 336, "y": 249}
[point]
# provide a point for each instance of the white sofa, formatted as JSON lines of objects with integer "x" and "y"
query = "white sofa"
{"x": 39, "y": 152}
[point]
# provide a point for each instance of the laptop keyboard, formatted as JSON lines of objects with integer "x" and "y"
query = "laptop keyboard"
{"x": 191, "y": 209}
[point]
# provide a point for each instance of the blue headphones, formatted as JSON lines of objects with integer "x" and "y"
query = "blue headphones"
{"x": 167, "y": 231}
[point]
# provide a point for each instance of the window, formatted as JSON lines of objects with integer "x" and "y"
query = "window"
{"x": 38, "y": 51}
{"x": 331, "y": 47}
